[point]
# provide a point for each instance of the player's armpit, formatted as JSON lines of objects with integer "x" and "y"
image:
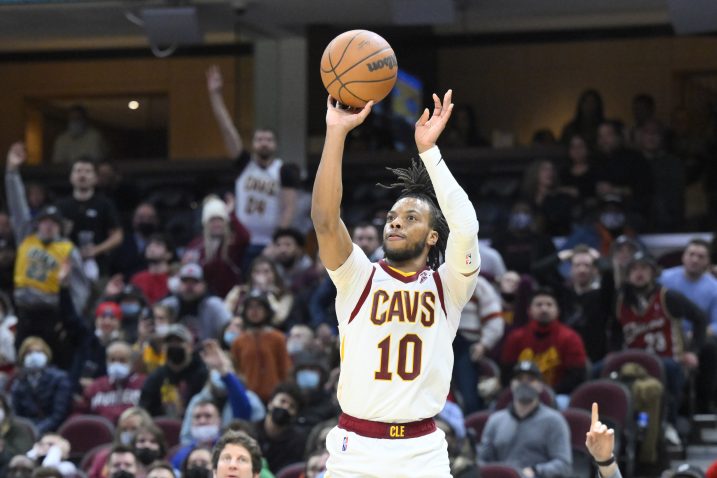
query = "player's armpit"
{"x": 335, "y": 245}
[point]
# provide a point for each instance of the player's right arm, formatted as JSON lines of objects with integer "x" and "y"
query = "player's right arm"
{"x": 232, "y": 141}
{"x": 334, "y": 240}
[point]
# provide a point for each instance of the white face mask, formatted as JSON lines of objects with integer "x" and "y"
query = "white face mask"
{"x": 35, "y": 360}
{"x": 205, "y": 433}
{"x": 117, "y": 371}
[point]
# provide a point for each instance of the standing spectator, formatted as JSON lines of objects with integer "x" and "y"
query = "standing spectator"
{"x": 41, "y": 392}
{"x": 667, "y": 177}
{"x": 221, "y": 247}
{"x": 79, "y": 140}
{"x": 45, "y": 260}
{"x": 129, "y": 257}
{"x": 463, "y": 131}
{"x": 16, "y": 439}
{"x": 282, "y": 442}
{"x": 93, "y": 220}
{"x": 153, "y": 281}
{"x": 266, "y": 189}
{"x": 111, "y": 394}
{"x": 578, "y": 179}
{"x": 204, "y": 313}
{"x": 152, "y": 349}
{"x": 368, "y": 238}
{"x": 238, "y": 455}
{"x": 259, "y": 354}
{"x": 301, "y": 338}
{"x": 556, "y": 349}
{"x": 643, "y": 111}
{"x": 480, "y": 329}
{"x": 169, "y": 388}
{"x": 528, "y": 435}
{"x": 541, "y": 189}
{"x": 295, "y": 266}
{"x": 588, "y": 116}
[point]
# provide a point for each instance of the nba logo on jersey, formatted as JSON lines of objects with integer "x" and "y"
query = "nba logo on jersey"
{"x": 469, "y": 259}
{"x": 345, "y": 443}
{"x": 423, "y": 277}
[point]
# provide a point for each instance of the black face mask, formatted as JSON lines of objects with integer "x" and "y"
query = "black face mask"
{"x": 122, "y": 474}
{"x": 281, "y": 416}
{"x": 525, "y": 394}
{"x": 146, "y": 228}
{"x": 197, "y": 472}
{"x": 176, "y": 354}
{"x": 146, "y": 455}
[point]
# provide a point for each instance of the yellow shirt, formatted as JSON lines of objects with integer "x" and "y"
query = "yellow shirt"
{"x": 38, "y": 265}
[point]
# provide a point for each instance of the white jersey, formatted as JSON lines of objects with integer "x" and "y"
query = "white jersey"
{"x": 396, "y": 333}
{"x": 258, "y": 199}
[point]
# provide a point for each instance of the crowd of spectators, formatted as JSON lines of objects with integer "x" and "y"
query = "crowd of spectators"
{"x": 235, "y": 329}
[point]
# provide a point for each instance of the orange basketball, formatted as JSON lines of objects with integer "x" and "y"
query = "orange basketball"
{"x": 358, "y": 66}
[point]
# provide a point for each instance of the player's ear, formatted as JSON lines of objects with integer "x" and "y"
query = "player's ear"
{"x": 432, "y": 238}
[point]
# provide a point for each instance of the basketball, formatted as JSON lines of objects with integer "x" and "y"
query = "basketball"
{"x": 358, "y": 66}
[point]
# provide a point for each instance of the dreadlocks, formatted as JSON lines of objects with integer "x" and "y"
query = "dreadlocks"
{"x": 415, "y": 182}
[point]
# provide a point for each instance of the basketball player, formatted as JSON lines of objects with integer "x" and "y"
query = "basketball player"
{"x": 397, "y": 318}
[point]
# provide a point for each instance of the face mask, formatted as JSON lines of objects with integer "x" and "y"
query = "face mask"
{"x": 525, "y": 394}
{"x": 117, "y": 371}
{"x": 122, "y": 474}
{"x": 230, "y": 337}
{"x": 281, "y": 416}
{"x": 161, "y": 329}
{"x": 308, "y": 379}
{"x": 197, "y": 472}
{"x": 126, "y": 437}
{"x": 520, "y": 221}
{"x": 612, "y": 220}
{"x": 35, "y": 360}
{"x": 146, "y": 228}
{"x": 146, "y": 455}
{"x": 294, "y": 347}
{"x": 176, "y": 354}
{"x": 205, "y": 433}
{"x": 130, "y": 308}
{"x": 216, "y": 380}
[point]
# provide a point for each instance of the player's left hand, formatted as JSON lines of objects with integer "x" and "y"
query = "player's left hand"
{"x": 429, "y": 127}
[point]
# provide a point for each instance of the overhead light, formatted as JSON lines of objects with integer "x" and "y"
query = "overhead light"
{"x": 133, "y": 105}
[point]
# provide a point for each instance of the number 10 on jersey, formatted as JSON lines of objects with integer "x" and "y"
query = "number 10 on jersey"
{"x": 404, "y": 370}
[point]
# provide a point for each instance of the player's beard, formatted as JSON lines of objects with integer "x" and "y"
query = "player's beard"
{"x": 411, "y": 252}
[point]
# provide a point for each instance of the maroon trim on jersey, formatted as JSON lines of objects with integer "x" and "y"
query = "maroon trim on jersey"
{"x": 406, "y": 279}
{"x": 363, "y": 297}
{"x": 439, "y": 286}
{"x": 391, "y": 431}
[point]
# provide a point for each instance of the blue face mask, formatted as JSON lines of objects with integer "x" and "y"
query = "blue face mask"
{"x": 230, "y": 337}
{"x": 130, "y": 308}
{"x": 308, "y": 379}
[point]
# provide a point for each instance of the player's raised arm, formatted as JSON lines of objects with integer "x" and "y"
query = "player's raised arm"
{"x": 334, "y": 240}
{"x": 462, "y": 246}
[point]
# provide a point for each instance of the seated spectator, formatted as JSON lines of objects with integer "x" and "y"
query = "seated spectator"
{"x": 153, "y": 281}
{"x": 20, "y": 466}
{"x": 220, "y": 248}
{"x": 79, "y": 140}
{"x": 556, "y": 349}
{"x": 204, "y": 431}
{"x": 46, "y": 472}
{"x": 280, "y": 439}
{"x": 8, "y": 324}
{"x": 240, "y": 447}
{"x": 161, "y": 469}
{"x": 588, "y": 116}
{"x": 203, "y": 313}
{"x": 264, "y": 276}
{"x": 52, "y": 451}
{"x": 169, "y": 388}
{"x": 463, "y": 132}
{"x": 122, "y": 462}
{"x": 527, "y": 435}
{"x": 225, "y": 390}
{"x": 128, "y": 424}
{"x": 643, "y": 111}
{"x": 311, "y": 373}
{"x": 149, "y": 445}
{"x": 315, "y": 464}
{"x": 112, "y": 394}
{"x": 129, "y": 257}
{"x": 16, "y": 439}
{"x": 461, "y": 454}
{"x": 301, "y": 339}
{"x": 368, "y": 238}
{"x": 197, "y": 464}
{"x": 543, "y": 192}
{"x": 295, "y": 267}
{"x": 41, "y": 392}
{"x": 259, "y": 354}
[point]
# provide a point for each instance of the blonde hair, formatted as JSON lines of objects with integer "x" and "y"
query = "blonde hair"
{"x": 34, "y": 341}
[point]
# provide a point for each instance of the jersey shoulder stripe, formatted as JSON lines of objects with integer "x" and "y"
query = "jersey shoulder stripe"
{"x": 439, "y": 286}
{"x": 363, "y": 297}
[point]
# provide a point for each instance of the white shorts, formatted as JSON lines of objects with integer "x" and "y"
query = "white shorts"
{"x": 352, "y": 456}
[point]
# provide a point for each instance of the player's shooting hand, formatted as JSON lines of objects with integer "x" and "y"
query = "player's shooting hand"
{"x": 215, "y": 81}
{"x": 599, "y": 440}
{"x": 430, "y": 126}
{"x": 16, "y": 156}
{"x": 344, "y": 120}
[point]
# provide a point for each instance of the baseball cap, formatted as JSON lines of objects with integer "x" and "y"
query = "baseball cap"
{"x": 50, "y": 212}
{"x": 179, "y": 331}
{"x": 688, "y": 471}
{"x": 526, "y": 366}
{"x": 191, "y": 271}
{"x": 214, "y": 207}
{"x": 642, "y": 258}
{"x": 109, "y": 308}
